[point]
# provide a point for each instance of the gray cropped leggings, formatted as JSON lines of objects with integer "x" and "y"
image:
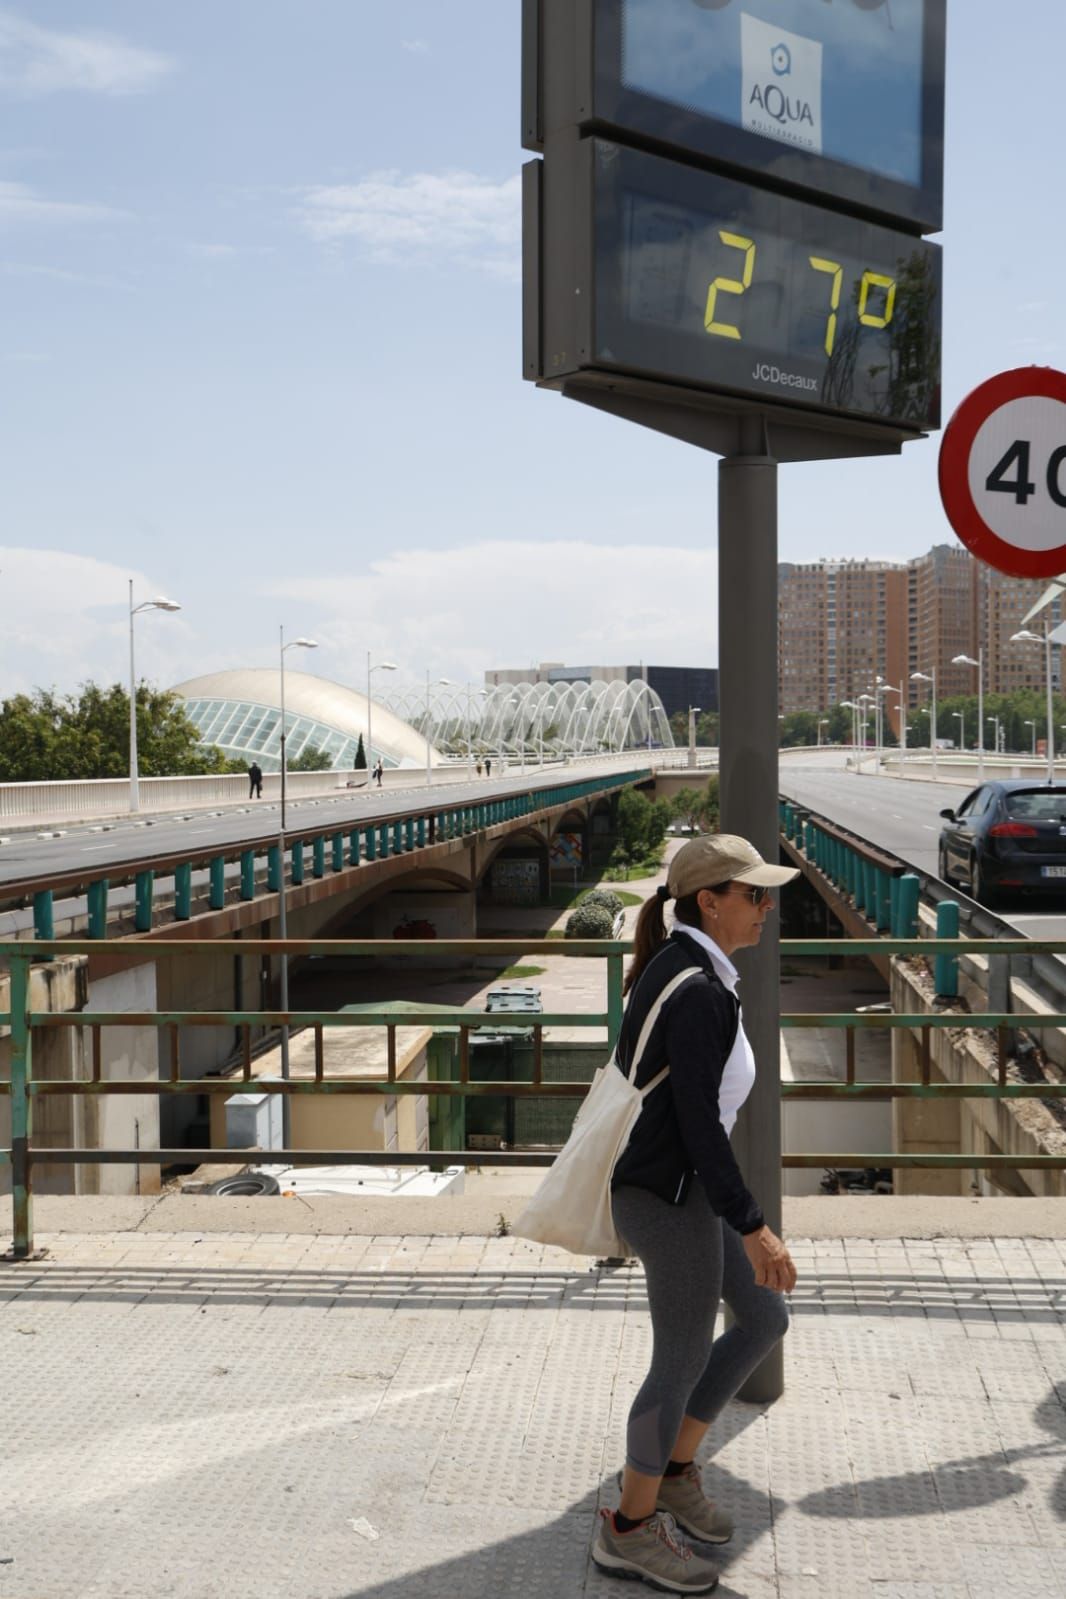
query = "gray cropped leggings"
{"x": 691, "y": 1260}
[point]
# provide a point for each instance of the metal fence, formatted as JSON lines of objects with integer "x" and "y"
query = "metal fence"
{"x": 24, "y": 1090}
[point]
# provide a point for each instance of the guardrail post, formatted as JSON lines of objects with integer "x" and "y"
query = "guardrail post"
{"x": 44, "y": 926}
{"x": 383, "y": 842}
{"x": 615, "y": 977}
{"x": 353, "y": 847}
{"x": 397, "y": 838}
{"x": 97, "y": 897}
{"x": 409, "y": 833}
{"x": 421, "y": 831}
{"x": 274, "y": 868}
{"x": 884, "y": 901}
{"x": 337, "y": 844}
{"x": 248, "y": 874}
{"x": 182, "y": 892}
{"x": 893, "y": 894}
{"x": 144, "y": 886}
{"x": 296, "y": 856}
{"x": 909, "y": 890}
{"x": 858, "y": 881}
{"x": 946, "y": 967}
{"x": 217, "y": 896}
{"x": 318, "y": 857}
{"x": 371, "y": 844}
{"x": 21, "y": 1109}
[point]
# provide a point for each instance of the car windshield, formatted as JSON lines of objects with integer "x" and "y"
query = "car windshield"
{"x": 1037, "y": 805}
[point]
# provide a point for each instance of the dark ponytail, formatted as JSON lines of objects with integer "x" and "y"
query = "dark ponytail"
{"x": 651, "y": 930}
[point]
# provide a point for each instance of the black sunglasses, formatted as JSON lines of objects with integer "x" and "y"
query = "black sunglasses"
{"x": 755, "y": 892}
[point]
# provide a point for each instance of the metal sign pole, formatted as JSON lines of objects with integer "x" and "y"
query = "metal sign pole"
{"x": 747, "y": 654}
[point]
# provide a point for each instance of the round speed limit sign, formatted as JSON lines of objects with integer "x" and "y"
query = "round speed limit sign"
{"x": 1003, "y": 472}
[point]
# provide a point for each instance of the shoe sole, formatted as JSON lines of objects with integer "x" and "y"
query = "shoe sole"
{"x": 693, "y": 1532}
{"x": 631, "y": 1574}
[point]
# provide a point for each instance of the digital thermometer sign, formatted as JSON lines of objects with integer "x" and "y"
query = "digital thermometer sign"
{"x": 701, "y": 281}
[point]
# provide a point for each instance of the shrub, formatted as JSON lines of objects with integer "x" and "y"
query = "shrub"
{"x": 590, "y": 921}
{"x": 603, "y": 896}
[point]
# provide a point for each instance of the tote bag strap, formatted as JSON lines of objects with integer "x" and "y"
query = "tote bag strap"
{"x": 650, "y": 1020}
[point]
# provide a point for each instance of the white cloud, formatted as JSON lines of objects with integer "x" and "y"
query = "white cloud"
{"x": 459, "y": 215}
{"x": 66, "y": 621}
{"x": 459, "y": 612}
{"x": 38, "y": 60}
{"x": 19, "y": 203}
{"x": 416, "y": 47}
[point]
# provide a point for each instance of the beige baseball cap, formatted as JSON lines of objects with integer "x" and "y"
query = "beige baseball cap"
{"x": 722, "y": 858}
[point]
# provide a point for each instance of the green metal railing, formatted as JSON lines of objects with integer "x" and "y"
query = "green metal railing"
{"x": 24, "y": 1090}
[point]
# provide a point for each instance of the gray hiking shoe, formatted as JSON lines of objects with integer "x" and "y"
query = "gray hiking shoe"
{"x": 684, "y": 1499}
{"x": 655, "y": 1553}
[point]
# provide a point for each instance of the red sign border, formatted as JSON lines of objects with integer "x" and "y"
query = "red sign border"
{"x": 954, "y": 475}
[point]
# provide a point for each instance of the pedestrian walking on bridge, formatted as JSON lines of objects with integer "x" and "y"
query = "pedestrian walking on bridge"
{"x": 255, "y": 781}
{"x": 681, "y": 1203}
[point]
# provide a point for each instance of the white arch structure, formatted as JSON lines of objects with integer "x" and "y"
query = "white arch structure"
{"x": 560, "y": 719}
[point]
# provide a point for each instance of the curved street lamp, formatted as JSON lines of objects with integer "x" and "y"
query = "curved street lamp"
{"x": 968, "y": 660}
{"x": 283, "y": 925}
{"x": 930, "y": 678}
{"x": 381, "y": 666}
{"x": 1026, "y": 636}
{"x": 158, "y": 604}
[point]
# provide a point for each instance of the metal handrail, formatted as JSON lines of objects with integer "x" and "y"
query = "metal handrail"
{"x": 23, "y": 1089}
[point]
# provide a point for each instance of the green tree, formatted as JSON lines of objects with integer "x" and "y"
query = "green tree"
{"x": 45, "y": 737}
{"x": 311, "y": 760}
{"x": 697, "y": 808}
{"x": 360, "y": 756}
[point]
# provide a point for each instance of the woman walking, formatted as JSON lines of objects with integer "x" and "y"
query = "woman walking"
{"x": 681, "y": 1203}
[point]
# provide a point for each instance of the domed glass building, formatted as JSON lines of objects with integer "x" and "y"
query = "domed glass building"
{"x": 240, "y": 712}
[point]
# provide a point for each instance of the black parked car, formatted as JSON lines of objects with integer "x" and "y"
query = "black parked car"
{"x": 1006, "y": 836}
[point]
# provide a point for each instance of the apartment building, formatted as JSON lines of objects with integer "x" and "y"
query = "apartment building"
{"x": 844, "y": 624}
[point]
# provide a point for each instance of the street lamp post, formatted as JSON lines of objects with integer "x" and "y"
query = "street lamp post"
{"x": 381, "y": 666}
{"x": 996, "y": 746}
{"x": 693, "y": 712}
{"x": 158, "y": 604}
{"x": 850, "y": 705}
{"x": 968, "y": 660}
{"x": 823, "y": 721}
{"x": 283, "y": 923}
{"x": 930, "y": 678}
{"x": 1032, "y": 724}
{"x": 1027, "y": 637}
{"x": 445, "y": 682}
{"x": 960, "y": 717}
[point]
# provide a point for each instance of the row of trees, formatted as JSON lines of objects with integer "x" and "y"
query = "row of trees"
{"x": 49, "y": 737}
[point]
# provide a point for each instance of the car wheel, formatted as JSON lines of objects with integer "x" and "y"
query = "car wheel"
{"x": 245, "y": 1184}
{"x": 979, "y": 888}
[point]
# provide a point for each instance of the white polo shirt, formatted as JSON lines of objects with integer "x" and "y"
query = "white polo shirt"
{"x": 738, "y": 1074}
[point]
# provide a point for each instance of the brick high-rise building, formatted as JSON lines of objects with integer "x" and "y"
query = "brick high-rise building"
{"x": 842, "y": 624}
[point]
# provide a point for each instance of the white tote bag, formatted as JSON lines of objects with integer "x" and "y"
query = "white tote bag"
{"x": 572, "y": 1206}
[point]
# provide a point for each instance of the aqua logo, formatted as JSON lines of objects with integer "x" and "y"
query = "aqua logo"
{"x": 781, "y": 60}
{"x": 781, "y": 106}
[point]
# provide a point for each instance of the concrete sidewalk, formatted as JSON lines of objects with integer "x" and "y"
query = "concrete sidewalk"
{"x": 323, "y": 1413}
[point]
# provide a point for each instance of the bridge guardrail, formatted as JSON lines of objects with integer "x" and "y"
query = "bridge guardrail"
{"x": 24, "y": 1090}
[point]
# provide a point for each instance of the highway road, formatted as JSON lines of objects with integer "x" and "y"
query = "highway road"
{"x": 900, "y": 815}
{"x": 93, "y": 846}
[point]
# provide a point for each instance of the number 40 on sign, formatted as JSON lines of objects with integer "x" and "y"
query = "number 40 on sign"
{"x": 1003, "y": 472}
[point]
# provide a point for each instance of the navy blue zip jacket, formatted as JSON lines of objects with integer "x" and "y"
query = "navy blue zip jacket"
{"x": 679, "y": 1132}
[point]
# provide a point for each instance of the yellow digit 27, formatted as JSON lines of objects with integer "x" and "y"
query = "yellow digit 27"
{"x": 735, "y": 241}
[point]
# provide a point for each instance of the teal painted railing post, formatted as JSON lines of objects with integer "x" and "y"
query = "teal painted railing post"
{"x": 353, "y": 847}
{"x": 274, "y": 868}
{"x": 318, "y": 857}
{"x": 247, "y": 873}
{"x": 21, "y": 1109}
{"x": 142, "y": 901}
{"x": 44, "y": 925}
{"x": 383, "y": 842}
{"x": 296, "y": 857}
{"x": 409, "y": 831}
{"x": 893, "y": 889}
{"x": 421, "y": 832}
{"x": 218, "y": 883}
{"x": 884, "y": 901}
{"x": 371, "y": 844}
{"x": 397, "y": 838}
{"x": 337, "y": 847}
{"x": 615, "y": 976}
{"x": 909, "y": 888}
{"x": 858, "y": 881}
{"x": 98, "y": 909}
{"x": 946, "y": 967}
{"x": 182, "y": 892}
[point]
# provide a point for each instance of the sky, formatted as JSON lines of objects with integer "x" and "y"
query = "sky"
{"x": 260, "y": 349}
